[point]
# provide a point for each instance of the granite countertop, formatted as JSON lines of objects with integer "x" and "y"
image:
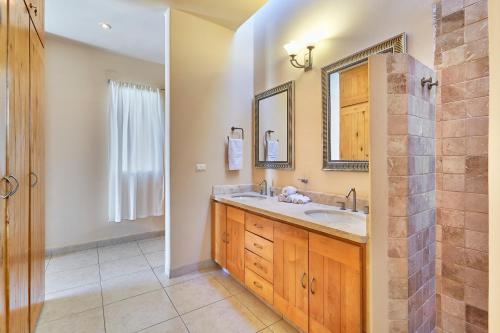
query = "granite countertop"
{"x": 350, "y": 226}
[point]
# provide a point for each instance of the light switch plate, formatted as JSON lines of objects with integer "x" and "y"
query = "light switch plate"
{"x": 201, "y": 167}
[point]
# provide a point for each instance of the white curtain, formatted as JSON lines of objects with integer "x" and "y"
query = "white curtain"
{"x": 136, "y": 139}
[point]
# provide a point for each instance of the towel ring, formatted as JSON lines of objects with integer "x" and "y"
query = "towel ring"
{"x": 233, "y": 129}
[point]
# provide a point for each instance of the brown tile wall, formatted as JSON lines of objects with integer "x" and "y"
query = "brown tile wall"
{"x": 461, "y": 59}
{"x": 412, "y": 196}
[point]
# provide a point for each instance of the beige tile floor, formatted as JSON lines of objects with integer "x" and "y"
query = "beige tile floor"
{"x": 123, "y": 288}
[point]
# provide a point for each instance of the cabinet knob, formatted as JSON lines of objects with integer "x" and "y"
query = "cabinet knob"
{"x": 258, "y": 285}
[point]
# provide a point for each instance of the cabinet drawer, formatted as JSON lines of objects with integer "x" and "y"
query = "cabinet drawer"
{"x": 259, "y": 286}
{"x": 260, "y": 226}
{"x": 259, "y": 246}
{"x": 259, "y": 265}
{"x": 236, "y": 214}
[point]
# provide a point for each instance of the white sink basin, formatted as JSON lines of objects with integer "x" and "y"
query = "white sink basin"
{"x": 248, "y": 196}
{"x": 331, "y": 216}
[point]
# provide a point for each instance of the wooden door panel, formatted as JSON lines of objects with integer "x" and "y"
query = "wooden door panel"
{"x": 219, "y": 233}
{"x": 3, "y": 157}
{"x": 37, "y": 213}
{"x": 291, "y": 263}
{"x": 18, "y": 167}
{"x": 235, "y": 260}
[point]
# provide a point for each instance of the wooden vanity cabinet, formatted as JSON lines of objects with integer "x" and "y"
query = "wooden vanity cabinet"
{"x": 219, "y": 247}
{"x": 291, "y": 266}
{"x": 314, "y": 280}
{"x": 235, "y": 240}
{"x": 335, "y": 275}
{"x": 228, "y": 239}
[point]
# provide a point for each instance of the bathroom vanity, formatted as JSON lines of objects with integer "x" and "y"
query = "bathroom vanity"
{"x": 305, "y": 261}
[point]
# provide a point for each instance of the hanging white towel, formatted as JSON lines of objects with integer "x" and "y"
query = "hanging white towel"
{"x": 235, "y": 154}
{"x": 273, "y": 150}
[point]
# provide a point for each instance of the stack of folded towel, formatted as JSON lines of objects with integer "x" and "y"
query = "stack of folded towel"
{"x": 289, "y": 194}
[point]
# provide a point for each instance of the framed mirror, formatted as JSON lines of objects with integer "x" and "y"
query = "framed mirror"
{"x": 346, "y": 109}
{"x": 274, "y": 127}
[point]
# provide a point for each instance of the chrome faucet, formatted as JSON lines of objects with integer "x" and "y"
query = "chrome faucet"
{"x": 353, "y": 192}
{"x": 263, "y": 187}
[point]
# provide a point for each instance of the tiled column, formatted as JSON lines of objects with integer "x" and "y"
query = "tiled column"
{"x": 461, "y": 59}
{"x": 412, "y": 199}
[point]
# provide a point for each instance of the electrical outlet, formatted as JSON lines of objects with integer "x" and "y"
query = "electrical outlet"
{"x": 201, "y": 167}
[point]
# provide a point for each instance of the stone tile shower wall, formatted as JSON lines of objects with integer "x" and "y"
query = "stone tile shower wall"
{"x": 461, "y": 59}
{"x": 412, "y": 198}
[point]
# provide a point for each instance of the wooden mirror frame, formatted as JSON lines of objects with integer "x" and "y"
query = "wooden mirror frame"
{"x": 396, "y": 44}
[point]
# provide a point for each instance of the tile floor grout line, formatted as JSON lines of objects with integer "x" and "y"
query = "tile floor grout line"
{"x": 254, "y": 314}
{"x": 175, "y": 308}
{"x": 102, "y": 296}
{"x": 68, "y": 315}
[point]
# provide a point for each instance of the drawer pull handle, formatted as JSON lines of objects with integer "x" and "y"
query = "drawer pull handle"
{"x": 258, "y": 226}
{"x": 258, "y": 285}
{"x": 303, "y": 280}
{"x": 260, "y": 266}
{"x": 313, "y": 283}
{"x": 258, "y": 246}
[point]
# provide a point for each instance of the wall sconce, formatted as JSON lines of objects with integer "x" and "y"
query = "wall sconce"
{"x": 293, "y": 48}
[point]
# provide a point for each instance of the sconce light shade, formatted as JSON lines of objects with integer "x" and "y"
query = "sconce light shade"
{"x": 293, "y": 48}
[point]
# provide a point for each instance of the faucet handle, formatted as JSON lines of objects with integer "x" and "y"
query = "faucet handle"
{"x": 303, "y": 180}
{"x": 342, "y": 205}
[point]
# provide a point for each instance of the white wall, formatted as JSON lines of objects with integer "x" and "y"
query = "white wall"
{"x": 211, "y": 77}
{"x": 76, "y": 141}
{"x": 346, "y": 28}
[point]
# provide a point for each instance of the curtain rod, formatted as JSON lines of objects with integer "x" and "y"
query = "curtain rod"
{"x": 138, "y": 84}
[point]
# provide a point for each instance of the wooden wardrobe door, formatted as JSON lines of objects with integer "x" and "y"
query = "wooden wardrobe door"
{"x": 37, "y": 217}
{"x": 3, "y": 157}
{"x": 291, "y": 273}
{"x": 18, "y": 167}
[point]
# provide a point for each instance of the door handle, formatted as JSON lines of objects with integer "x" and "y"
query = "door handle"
{"x": 13, "y": 188}
{"x": 36, "y": 179}
{"x": 313, "y": 283}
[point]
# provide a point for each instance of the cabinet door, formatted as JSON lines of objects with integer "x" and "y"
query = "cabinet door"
{"x": 219, "y": 233}
{"x": 235, "y": 261}
{"x": 18, "y": 167}
{"x": 335, "y": 286}
{"x": 37, "y": 217}
{"x": 36, "y": 9}
{"x": 290, "y": 273}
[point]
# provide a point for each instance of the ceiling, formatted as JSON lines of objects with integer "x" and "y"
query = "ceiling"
{"x": 137, "y": 25}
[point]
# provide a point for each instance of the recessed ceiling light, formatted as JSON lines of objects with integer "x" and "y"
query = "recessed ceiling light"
{"x": 105, "y": 26}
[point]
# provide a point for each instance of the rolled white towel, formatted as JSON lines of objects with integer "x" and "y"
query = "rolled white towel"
{"x": 299, "y": 199}
{"x": 284, "y": 198}
{"x": 288, "y": 190}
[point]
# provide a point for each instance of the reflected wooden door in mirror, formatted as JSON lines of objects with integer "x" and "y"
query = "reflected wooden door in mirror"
{"x": 274, "y": 128}
{"x": 346, "y": 108}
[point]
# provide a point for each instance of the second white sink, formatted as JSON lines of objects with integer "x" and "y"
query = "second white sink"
{"x": 331, "y": 216}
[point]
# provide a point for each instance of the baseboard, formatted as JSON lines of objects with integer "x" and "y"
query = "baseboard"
{"x": 103, "y": 243}
{"x": 183, "y": 270}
